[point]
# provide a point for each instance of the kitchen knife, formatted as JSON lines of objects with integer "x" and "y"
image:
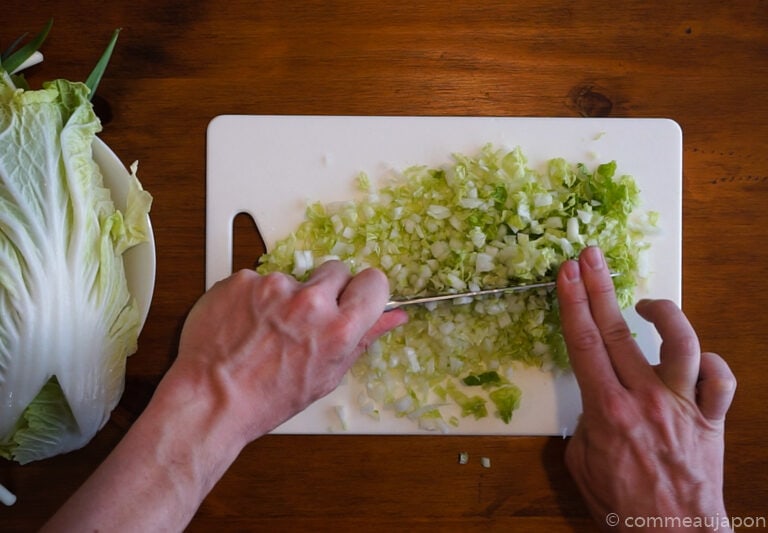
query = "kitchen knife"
{"x": 399, "y": 302}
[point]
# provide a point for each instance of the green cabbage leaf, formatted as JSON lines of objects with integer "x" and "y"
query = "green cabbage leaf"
{"x": 67, "y": 320}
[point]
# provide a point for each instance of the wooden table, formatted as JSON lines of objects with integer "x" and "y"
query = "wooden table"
{"x": 180, "y": 63}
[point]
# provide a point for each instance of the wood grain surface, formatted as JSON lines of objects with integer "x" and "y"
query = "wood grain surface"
{"x": 180, "y": 63}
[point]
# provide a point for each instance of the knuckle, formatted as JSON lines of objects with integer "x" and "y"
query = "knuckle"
{"x": 616, "y": 332}
{"x": 614, "y": 403}
{"x": 616, "y": 410}
{"x": 724, "y": 380}
{"x": 687, "y": 345}
{"x": 656, "y": 405}
{"x": 241, "y": 282}
{"x": 376, "y": 275}
{"x": 346, "y": 332}
{"x": 584, "y": 340}
{"x": 275, "y": 282}
{"x": 269, "y": 289}
{"x": 312, "y": 299}
{"x": 243, "y": 275}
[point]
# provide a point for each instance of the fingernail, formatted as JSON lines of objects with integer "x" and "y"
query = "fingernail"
{"x": 642, "y": 302}
{"x": 594, "y": 258}
{"x": 571, "y": 271}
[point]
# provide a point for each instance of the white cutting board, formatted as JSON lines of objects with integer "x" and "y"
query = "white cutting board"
{"x": 271, "y": 167}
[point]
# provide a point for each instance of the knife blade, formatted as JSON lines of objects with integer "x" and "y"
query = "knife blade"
{"x": 400, "y": 302}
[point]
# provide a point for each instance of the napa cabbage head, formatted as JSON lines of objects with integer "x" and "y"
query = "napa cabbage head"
{"x": 67, "y": 320}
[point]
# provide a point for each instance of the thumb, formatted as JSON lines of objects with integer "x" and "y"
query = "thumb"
{"x": 715, "y": 388}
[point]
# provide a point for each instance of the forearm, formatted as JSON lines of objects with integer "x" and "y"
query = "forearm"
{"x": 253, "y": 352}
{"x": 154, "y": 480}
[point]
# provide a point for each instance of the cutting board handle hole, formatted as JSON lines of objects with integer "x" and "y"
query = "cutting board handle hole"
{"x": 247, "y": 243}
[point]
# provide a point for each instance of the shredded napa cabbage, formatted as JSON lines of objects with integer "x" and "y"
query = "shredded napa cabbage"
{"x": 482, "y": 221}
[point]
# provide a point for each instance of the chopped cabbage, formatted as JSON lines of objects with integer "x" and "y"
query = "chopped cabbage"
{"x": 67, "y": 321}
{"x": 482, "y": 221}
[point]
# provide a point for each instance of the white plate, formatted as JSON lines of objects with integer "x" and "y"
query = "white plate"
{"x": 271, "y": 166}
{"x": 140, "y": 260}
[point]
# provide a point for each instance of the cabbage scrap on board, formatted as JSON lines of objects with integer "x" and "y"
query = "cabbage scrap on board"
{"x": 483, "y": 221}
{"x": 67, "y": 320}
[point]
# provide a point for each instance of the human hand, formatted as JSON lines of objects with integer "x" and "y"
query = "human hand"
{"x": 254, "y": 351}
{"x": 650, "y": 440}
{"x": 268, "y": 346}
